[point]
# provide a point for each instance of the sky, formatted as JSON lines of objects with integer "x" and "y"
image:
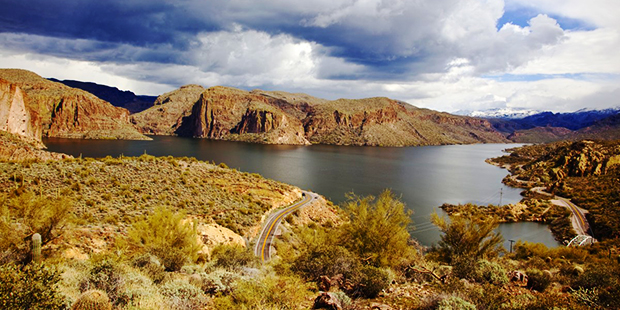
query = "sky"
{"x": 447, "y": 55}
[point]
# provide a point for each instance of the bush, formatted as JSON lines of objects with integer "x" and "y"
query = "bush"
{"x": 537, "y": 280}
{"x": 267, "y": 292}
{"x": 105, "y": 275}
{"x": 490, "y": 272}
{"x": 233, "y": 256}
{"x": 218, "y": 282}
{"x": 92, "y": 300}
{"x": 33, "y": 287}
{"x": 455, "y": 303}
{"x": 377, "y": 230}
{"x": 165, "y": 235}
{"x": 23, "y": 213}
{"x": 372, "y": 281}
{"x": 180, "y": 294}
{"x": 326, "y": 260}
{"x": 150, "y": 266}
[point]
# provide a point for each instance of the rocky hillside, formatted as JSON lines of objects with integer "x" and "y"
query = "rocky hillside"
{"x": 285, "y": 118}
{"x": 14, "y": 147}
{"x": 119, "y": 98}
{"x": 587, "y": 172}
{"x": 604, "y": 129}
{"x": 166, "y": 115}
{"x": 62, "y": 111}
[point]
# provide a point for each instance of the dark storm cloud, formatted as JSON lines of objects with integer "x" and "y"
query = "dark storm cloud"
{"x": 392, "y": 39}
{"x": 140, "y": 23}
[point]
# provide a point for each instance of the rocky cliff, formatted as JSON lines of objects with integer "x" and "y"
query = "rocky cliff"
{"x": 166, "y": 115}
{"x": 68, "y": 112}
{"x": 285, "y": 118}
{"x": 16, "y": 117}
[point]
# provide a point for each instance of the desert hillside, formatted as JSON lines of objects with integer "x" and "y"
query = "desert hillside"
{"x": 283, "y": 118}
{"x": 52, "y": 109}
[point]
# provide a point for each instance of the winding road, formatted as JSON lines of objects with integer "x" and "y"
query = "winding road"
{"x": 263, "y": 245}
{"x": 579, "y": 221}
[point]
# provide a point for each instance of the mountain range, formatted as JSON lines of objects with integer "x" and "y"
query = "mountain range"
{"x": 34, "y": 107}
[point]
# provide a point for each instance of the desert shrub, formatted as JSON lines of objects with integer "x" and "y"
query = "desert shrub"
{"x": 106, "y": 275}
{"x": 266, "y": 292}
{"x": 371, "y": 281}
{"x": 488, "y": 296}
{"x": 180, "y": 294}
{"x": 490, "y": 272}
{"x": 34, "y": 286}
{"x": 455, "y": 303}
{"x": 218, "y": 282}
{"x": 92, "y": 300}
{"x": 151, "y": 266}
{"x": 233, "y": 256}
{"x": 25, "y": 213}
{"x": 537, "y": 280}
{"x": 326, "y": 260}
{"x": 604, "y": 279}
{"x": 467, "y": 239}
{"x": 377, "y": 229}
{"x": 165, "y": 235}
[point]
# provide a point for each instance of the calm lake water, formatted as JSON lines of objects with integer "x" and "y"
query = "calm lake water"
{"x": 425, "y": 177}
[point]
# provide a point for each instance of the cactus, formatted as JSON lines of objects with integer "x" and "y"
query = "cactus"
{"x": 36, "y": 248}
{"x": 92, "y": 300}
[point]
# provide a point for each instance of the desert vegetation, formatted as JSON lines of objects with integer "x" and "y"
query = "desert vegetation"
{"x": 123, "y": 233}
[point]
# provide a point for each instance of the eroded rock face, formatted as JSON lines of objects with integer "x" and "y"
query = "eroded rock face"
{"x": 284, "y": 118}
{"x": 15, "y": 115}
{"x": 67, "y": 112}
{"x": 166, "y": 116}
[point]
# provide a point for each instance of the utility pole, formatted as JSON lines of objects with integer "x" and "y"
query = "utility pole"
{"x": 511, "y": 242}
{"x": 501, "y": 195}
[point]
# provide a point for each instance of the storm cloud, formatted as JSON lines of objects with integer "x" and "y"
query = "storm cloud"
{"x": 339, "y": 48}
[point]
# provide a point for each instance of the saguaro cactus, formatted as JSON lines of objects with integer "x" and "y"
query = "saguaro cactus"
{"x": 36, "y": 248}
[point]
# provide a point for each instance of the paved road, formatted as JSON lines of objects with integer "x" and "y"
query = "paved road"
{"x": 263, "y": 245}
{"x": 579, "y": 221}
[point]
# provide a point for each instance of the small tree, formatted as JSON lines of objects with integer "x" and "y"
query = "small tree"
{"x": 465, "y": 241}
{"x": 165, "y": 235}
{"x": 378, "y": 229}
{"x": 24, "y": 213}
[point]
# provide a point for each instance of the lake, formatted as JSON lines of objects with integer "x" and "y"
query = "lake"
{"x": 425, "y": 177}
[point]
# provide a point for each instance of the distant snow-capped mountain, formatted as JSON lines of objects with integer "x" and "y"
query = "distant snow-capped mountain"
{"x": 505, "y": 113}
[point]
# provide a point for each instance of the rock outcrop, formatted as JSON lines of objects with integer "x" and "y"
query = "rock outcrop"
{"x": 68, "y": 112}
{"x": 15, "y": 115}
{"x": 283, "y": 118}
{"x": 166, "y": 115}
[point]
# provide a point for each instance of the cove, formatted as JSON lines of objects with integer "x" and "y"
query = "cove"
{"x": 425, "y": 177}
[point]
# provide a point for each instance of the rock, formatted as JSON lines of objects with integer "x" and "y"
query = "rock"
{"x": 327, "y": 300}
{"x": 166, "y": 115}
{"x": 57, "y": 110}
{"x": 378, "y": 306}
{"x": 324, "y": 283}
{"x": 518, "y": 277}
{"x": 15, "y": 115}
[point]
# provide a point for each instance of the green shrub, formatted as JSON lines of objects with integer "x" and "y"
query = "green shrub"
{"x": 165, "y": 235}
{"x": 151, "y": 266}
{"x": 455, "y": 303}
{"x": 218, "y": 282}
{"x": 537, "y": 280}
{"x": 92, "y": 300}
{"x": 34, "y": 286}
{"x": 266, "y": 292}
{"x": 490, "y": 272}
{"x": 372, "y": 281}
{"x": 107, "y": 276}
{"x": 180, "y": 294}
{"x": 233, "y": 256}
